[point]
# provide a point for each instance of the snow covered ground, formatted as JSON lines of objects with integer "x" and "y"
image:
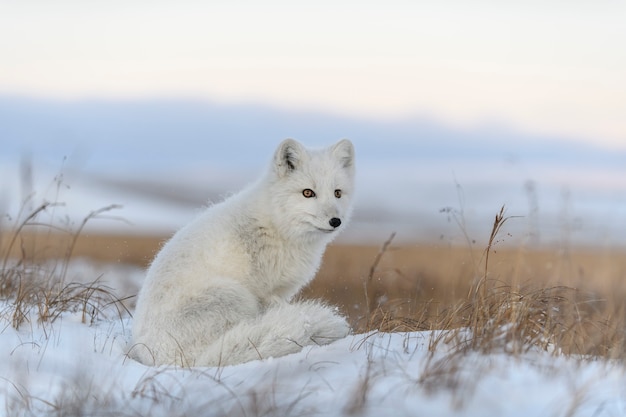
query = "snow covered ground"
{"x": 69, "y": 367}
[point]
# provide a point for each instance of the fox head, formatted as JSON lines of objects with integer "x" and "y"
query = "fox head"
{"x": 311, "y": 191}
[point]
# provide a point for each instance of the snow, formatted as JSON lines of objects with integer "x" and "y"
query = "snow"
{"x": 69, "y": 367}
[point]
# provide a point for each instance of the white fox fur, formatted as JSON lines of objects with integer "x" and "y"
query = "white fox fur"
{"x": 219, "y": 292}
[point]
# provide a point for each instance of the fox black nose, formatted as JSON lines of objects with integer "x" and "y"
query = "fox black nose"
{"x": 335, "y": 222}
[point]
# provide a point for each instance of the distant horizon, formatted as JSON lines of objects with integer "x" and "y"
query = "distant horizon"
{"x": 552, "y": 69}
{"x": 178, "y": 123}
{"x": 162, "y": 160}
{"x": 423, "y": 118}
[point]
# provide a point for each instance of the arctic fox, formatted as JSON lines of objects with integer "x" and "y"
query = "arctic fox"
{"x": 219, "y": 292}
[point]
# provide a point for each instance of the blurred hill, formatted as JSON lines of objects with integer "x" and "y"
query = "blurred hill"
{"x": 166, "y": 158}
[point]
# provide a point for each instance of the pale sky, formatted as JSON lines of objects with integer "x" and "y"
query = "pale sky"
{"x": 540, "y": 67}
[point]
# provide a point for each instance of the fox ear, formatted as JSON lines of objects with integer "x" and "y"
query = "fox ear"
{"x": 288, "y": 156}
{"x": 344, "y": 152}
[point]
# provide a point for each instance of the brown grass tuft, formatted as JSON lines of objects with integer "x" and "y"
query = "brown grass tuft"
{"x": 497, "y": 314}
{"x": 36, "y": 285}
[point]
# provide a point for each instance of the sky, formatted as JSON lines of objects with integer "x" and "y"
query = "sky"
{"x": 538, "y": 67}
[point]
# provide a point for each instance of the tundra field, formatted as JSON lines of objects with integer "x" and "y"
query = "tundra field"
{"x": 408, "y": 287}
{"x": 439, "y": 330}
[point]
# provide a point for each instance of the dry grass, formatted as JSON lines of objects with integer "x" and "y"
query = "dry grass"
{"x": 574, "y": 296}
{"x": 486, "y": 300}
{"x": 36, "y": 287}
{"x": 566, "y": 299}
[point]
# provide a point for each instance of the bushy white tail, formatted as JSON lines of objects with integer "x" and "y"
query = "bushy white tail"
{"x": 282, "y": 329}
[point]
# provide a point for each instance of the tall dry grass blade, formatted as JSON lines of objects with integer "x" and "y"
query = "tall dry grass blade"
{"x": 18, "y": 230}
{"x": 70, "y": 249}
{"x": 367, "y": 283}
{"x": 33, "y": 287}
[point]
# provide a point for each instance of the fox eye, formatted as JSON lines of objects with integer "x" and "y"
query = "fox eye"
{"x": 308, "y": 193}
{"x": 338, "y": 193}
